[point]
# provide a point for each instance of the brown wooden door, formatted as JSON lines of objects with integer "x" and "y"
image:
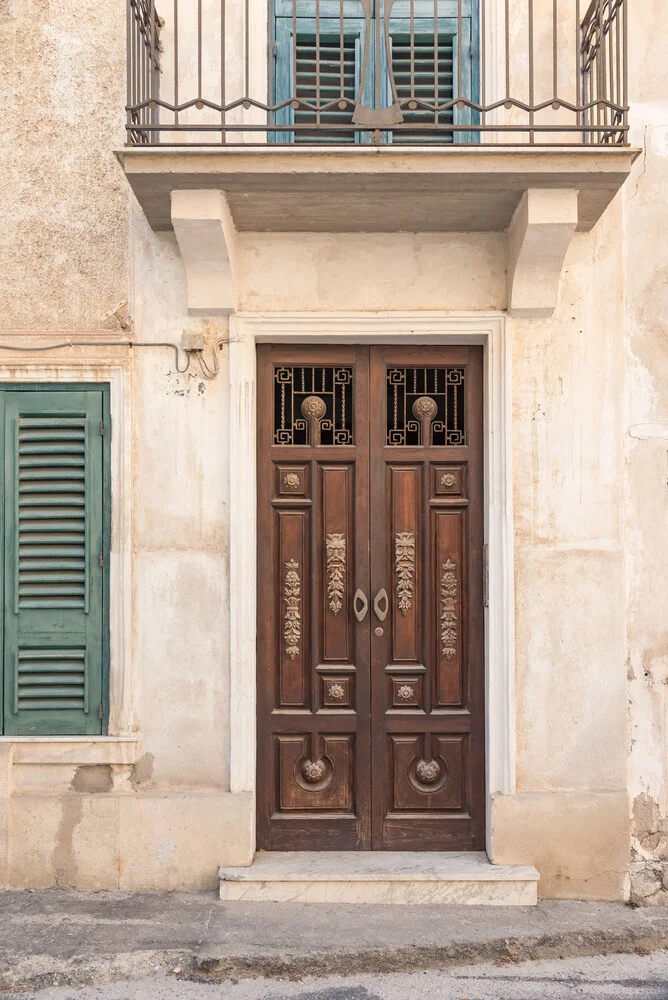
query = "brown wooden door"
{"x": 370, "y": 621}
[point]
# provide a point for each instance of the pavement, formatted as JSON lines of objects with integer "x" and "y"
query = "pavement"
{"x": 61, "y": 938}
{"x": 617, "y": 977}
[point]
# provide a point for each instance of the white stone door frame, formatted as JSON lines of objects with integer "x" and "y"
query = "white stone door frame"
{"x": 486, "y": 329}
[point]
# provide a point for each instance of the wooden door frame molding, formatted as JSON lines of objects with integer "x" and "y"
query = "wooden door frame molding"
{"x": 486, "y": 329}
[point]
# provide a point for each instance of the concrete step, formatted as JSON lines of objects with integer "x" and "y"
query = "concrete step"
{"x": 407, "y": 877}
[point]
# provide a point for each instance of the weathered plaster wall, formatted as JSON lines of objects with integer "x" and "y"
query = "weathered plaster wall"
{"x": 67, "y": 257}
{"x": 63, "y": 241}
{"x": 360, "y": 271}
{"x": 646, "y": 455}
{"x": 569, "y": 816}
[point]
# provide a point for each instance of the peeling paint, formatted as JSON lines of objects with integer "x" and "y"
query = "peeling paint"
{"x": 93, "y": 778}
{"x": 142, "y": 771}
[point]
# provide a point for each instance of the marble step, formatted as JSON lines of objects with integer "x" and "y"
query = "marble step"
{"x": 407, "y": 877}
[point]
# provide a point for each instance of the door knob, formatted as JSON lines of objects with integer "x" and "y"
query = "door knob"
{"x": 360, "y": 605}
{"x": 381, "y": 604}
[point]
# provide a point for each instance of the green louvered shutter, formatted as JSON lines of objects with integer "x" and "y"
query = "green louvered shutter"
{"x": 54, "y": 582}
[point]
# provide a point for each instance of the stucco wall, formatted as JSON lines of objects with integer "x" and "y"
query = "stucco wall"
{"x": 646, "y": 455}
{"x": 64, "y": 237}
{"x": 569, "y": 816}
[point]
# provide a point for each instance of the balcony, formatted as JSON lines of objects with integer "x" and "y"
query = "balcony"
{"x": 400, "y": 72}
{"x": 377, "y": 115}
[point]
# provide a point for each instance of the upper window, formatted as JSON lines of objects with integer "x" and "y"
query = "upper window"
{"x": 54, "y": 516}
{"x": 349, "y": 67}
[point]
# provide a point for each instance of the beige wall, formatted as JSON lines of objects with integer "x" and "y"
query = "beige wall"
{"x": 569, "y": 817}
{"x": 646, "y": 458}
{"x": 590, "y": 425}
{"x": 64, "y": 232}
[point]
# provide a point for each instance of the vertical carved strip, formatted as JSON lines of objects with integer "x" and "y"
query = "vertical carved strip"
{"x": 449, "y": 610}
{"x": 335, "y": 545}
{"x": 292, "y": 630}
{"x": 404, "y": 558}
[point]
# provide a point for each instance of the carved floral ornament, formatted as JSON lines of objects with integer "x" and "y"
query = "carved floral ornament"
{"x": 313, "y": 771}
{"x": 405, "y": 692}
{"x": 291, "y": 481}
{"x": 336, "y": 691}
{"x": 314, "y": 406}
{"x": 425, "y": 408}
{"x": 428, "y": 772}
{"x": 449, "y": 588}
{"x": 292, "y": 628}
{"x": 404, "y": 556}
{"x": 447, "y": 479}
{"x": 335, "y": 545}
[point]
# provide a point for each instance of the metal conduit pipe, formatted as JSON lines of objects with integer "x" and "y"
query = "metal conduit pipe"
{"x": 208, "y": 372}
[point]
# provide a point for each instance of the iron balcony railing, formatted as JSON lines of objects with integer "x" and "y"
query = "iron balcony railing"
{"x": 538, "y": 72}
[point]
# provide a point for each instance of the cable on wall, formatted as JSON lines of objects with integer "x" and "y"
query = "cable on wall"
{"x": 208, "y": 371}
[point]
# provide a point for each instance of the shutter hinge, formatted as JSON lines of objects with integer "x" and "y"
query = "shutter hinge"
{"x": 101, "y": 559}
{"x": 485, "y": 575}
{"x": 99, "y": 710}
{"x": 102, "y": 427}
{"x": 274, "y": 49}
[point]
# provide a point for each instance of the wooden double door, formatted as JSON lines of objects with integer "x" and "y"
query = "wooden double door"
{"x": 370, "y": 598}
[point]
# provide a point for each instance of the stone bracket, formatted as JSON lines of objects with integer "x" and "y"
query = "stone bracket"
{"x": 207, "y": 239}
{"x": 538, "y": 239}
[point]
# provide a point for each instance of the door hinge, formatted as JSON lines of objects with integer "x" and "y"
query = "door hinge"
{"x": 101, "y": 560}
{"x": 485, "y": 575}
{"x": 274, "y": 49}
{"x": 99, "y": 710}
{"x": 102, "y": 428}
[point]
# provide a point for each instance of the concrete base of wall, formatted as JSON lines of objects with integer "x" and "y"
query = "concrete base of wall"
{"x": 579, "y": 842}
{"x": 131, "y": 841}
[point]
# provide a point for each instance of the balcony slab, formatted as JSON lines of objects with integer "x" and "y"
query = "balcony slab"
{"x": 375, "y": 189}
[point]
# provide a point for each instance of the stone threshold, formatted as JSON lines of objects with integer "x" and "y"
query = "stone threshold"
{"x": 404, "y": 877}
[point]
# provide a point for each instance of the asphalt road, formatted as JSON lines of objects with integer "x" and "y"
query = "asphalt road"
{"x": 619, "y": 977}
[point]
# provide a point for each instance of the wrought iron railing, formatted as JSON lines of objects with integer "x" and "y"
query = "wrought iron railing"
{"x": 538, "y": 72}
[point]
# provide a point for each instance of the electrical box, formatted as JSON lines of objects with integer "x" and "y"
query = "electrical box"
{"x": 192, "y": 341}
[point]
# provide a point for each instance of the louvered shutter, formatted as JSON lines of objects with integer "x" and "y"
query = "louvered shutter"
{"x": 423, "y": 70}
{"x": 337, "y": 77}
{"x": 54, "y": 581}
{"x": 318, "y": 61}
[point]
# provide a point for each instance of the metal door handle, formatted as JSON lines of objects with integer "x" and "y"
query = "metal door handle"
{"x": 360, "y": 612}
{"x": 381, "y": 597}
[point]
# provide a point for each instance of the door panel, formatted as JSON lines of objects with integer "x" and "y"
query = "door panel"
{"x": 313, "y": 655}
{"x": 427, "y": 716}
{"x": 370, "y": 644}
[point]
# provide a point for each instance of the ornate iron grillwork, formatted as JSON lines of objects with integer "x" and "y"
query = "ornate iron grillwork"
{"x": 295, "y": 386}
{"x": 448, "y": 71}
{"x": 423, "y": 402}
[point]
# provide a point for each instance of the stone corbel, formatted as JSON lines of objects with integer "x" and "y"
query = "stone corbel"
{"x": 207, "y": 239}
{"x": 538, "y": 239}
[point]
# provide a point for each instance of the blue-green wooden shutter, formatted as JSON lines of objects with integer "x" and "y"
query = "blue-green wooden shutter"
{"x": 434, "y": 56}
{"x": 424, "y": 56}
{"x": 319, "y": 28}
{"x": 337, "y": 62}
{"x": 54, "y": 581}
